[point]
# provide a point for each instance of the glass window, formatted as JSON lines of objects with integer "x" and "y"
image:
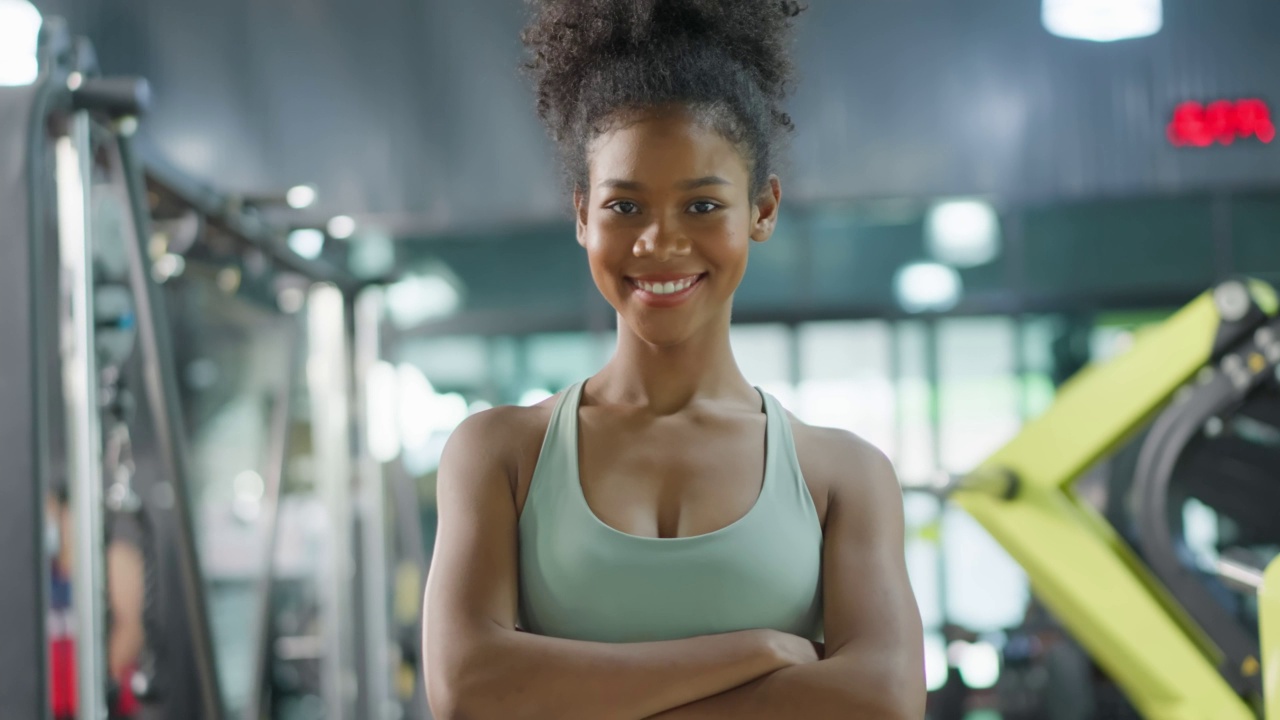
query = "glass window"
{"x": 558, "y": 360}
{"x": 914, "y": 455}
{"x": 763, "y": 353}
{"x": 1037, "y": 362}
{"x": 986, "y": 590}
{"x": 921, "y": 513}
{"x": 846, "y": 381}
{"x": 450, "y": 363}
{"x": 979, "y": 389}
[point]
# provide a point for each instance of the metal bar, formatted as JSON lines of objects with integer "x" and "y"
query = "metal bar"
{"x": 328, "y": 380}
{"x": 408, "y": 520}
{"x": 253, "y": 233}
{"x": 1269, "y": 631}
{"x": 24, "y": 402}
{"x": 163, "y": 401}
{"x": 377, "y": 686}
{"x": 277, "y": 457}
{"x": 84, "y": 431}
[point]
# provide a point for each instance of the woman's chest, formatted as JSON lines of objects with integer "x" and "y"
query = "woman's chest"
{"x": 674, "y": 477}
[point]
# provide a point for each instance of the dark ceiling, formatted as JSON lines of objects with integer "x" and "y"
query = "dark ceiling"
{"x": 411, "y": 114}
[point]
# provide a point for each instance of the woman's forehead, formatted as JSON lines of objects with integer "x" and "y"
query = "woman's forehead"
{"x": 668, "y": 146}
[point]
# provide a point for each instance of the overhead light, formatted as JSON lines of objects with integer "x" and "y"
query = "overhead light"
{"x": 373, "y": 256}
{"x": 419, "y": 298}
{"x": 1102, "y": 20}
{"x": 300, "y": 196}
{"x": 249, "y": 489}
{"x": 963, "y": 233}
{"x": 19, "y": 42}
{"x": 307, "y": 242}
{"x": 228, "y": 280}
{"x": 169, "y": 266}
{"x": 342, "y": 227}
{"x": 291, "y": 300}
{"x": 979, "y": 664}
{"x": 925, "y": 287}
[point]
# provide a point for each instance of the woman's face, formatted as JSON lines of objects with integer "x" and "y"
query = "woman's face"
{"x": 666, "y": 220}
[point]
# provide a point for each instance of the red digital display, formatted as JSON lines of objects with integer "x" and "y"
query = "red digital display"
{"x": 1222, "y": 121}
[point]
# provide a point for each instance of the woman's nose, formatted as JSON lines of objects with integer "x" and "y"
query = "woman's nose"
{"x": 662, "y": 243}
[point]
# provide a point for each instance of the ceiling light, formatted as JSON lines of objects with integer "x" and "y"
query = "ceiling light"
{"x": 963, "y": 233}
{"x": 979, "y": 665}
{"x": 1102, "y": 20}
{"x": 342, "y": 227}
{"x": 419, "y": 298}
{"x": 19, "y": 42}
{"x": 301, "y": 196}
{"x": 923, "y": 287}
{"x": 307, "y": 242}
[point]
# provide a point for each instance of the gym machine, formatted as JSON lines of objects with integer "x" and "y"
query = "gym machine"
{"x": 90, "y": 402}
{"x": 84, "y": 336}
{"x": 1198, "y": 398}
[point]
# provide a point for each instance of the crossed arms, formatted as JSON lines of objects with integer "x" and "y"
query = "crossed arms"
{"x": 479, "y": 667}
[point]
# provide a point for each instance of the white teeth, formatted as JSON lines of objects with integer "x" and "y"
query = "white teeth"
{"x": 666, "y": 288}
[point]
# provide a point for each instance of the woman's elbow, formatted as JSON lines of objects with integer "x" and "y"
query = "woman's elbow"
{"x": 452, "y": 700}
{"x": 464, "y": 689}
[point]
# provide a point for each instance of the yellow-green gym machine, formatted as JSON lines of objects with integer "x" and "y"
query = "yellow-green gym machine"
{"x": 1201, "y": 394}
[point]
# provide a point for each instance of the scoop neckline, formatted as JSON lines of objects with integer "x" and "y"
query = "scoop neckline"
{"x": 580, "y": 494}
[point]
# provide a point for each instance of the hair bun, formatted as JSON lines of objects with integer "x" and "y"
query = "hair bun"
{"x": 591, "y": 55}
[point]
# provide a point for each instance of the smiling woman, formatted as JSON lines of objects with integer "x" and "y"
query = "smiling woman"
{"x": 663, "y": 539}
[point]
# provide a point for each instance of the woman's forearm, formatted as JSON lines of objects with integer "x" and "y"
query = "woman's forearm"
{"x": 514, "y": 675}
{"x": 845, "y": 687}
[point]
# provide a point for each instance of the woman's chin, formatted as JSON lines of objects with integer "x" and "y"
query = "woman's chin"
{"x": 661, "y": 334}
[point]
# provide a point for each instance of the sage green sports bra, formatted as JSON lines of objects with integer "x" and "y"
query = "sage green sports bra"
{"x": 582, "y": 579}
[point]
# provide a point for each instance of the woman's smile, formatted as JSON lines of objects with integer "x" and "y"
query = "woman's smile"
{"x": 665, "y": 290}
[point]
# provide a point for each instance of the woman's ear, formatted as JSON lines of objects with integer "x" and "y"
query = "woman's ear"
{"x": 580, "y": 214}
{"x": 764, "y": 211}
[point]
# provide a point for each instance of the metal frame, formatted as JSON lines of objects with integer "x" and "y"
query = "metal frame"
{"x": 74, "y": 161}
{"x": 1214, "y": 395}
{"x": 221, "y": 212}
{"x": 328, "y": 381}
{"x": 377, "y": 689}
{"x": 24, "y": 395}
{"x": 1077, "y": 563}
{"x": 276, "y": 463}
{"x": 1269, "y": 620}
{"x": 163, "y": 401}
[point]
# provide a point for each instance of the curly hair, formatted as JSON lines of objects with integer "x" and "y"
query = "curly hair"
{"x": 597, "y": 62}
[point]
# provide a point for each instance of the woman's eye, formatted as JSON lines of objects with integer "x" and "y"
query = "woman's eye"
{"x": 625, "y": 207}
{"x": 703, "y": 207}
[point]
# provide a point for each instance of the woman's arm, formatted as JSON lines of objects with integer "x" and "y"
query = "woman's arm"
{"x": 875, "y": 665}
{"x": 125, "y": 572}
{"x": 478, "y": 666}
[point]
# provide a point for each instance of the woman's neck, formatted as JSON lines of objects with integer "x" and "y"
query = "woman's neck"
{"x": 668, "y": 378}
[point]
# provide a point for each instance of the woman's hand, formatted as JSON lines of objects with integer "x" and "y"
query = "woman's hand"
{"x": 792, "y": 649}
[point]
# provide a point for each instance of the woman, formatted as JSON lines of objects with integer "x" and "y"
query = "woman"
{"x": 673, "y": 544}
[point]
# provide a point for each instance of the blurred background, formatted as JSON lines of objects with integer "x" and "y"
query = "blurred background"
{"x": 358, "y": 231}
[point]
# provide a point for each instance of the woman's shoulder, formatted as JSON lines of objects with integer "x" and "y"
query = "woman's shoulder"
{"x": 503, "y": 428}
{"x": 836, "y": 461}
{"x": 506, "y": 437}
